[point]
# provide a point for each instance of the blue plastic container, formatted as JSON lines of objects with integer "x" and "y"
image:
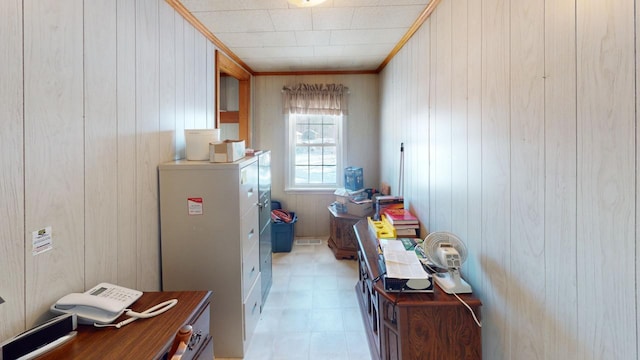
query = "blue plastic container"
{"x": 353, "y": 178}
{"x": 282, "y": 233}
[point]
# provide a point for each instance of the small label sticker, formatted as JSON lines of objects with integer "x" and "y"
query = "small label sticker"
{"x": 41, "y": 240}
{"x": 195, "y": 206}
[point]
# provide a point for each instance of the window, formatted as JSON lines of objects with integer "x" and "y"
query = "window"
{"x": 315, "y": 116}
{"x": 315, "y": 151}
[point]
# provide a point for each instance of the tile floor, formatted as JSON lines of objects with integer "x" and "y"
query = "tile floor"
{"x": 311, "y": 312}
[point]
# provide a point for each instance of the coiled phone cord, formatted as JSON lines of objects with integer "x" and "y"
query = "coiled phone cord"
{"x": 150, "y": 312}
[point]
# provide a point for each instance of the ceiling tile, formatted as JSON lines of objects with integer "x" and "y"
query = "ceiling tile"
{"x": 385, "y": 17}
{"x": 259, "y": 39}
{"x": 312, "y": 38}
{"x": 360, "y": 37}
{"x": 236, "y": 21}
{"x": 291, "y": 19}
{"x": 222, "y": 5}
{"x": 274, "y": 52}
{"x": 332, "y": 18}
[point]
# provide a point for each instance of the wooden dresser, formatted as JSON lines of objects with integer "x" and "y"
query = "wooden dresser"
{"x": 146, "y": 338}
{"x": 342, "y": 239}
{"x": 412, "y": 326}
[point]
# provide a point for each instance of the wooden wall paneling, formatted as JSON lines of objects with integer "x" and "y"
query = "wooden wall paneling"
{"x": 421, "y": 186}
{"x": 410, "y": 136}
{"x": 606, "y": 180}
{"x": 189, "y": 77}
{"x": 637, "y": 218}
{"x": 561, "y": 322}
{"x": 404, "y": 133}
{"x": 459, "y": 136}
{"x": 386, "y": 127}
{"x": 433, "y": 71}
{"x": 12, "y": 232}
{"x": 126, "y": 143}
{"x": 210, "y": 84}
{"x": 496, "y": 187}
{"x": 525, "y": 287}
{"x": 167, "y": 81}
{"x": 147, "y": 149}
{"x": 200, "y": 80}
{"x": 362, "y": 126}
{"x": 472, "y": 270}
{"x": 100, "y": 143}
{"x": 179, "y": 33}
{"x": 443, "y": 119}
{"x": 54, "y": 157}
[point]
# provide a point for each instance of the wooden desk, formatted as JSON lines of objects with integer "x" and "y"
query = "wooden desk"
{"x": 146, "y": 338}
{"x": 412, "y": 325}
{"x": 342, "y": 239}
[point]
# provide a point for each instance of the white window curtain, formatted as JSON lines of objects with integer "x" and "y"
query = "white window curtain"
{"x": 315, "y": 99}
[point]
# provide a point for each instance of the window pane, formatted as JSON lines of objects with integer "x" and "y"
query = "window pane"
{"x": 315, "y": 155}
{"x": 329, "y": 156}
{"x": 302, "y": 155}
{"x": 302, "y": 119}
{"x": 329, "y": 134}
{"x": 302, "y": 175}
{"x": 330, "y": 175}
{"x": 315, "y": 174}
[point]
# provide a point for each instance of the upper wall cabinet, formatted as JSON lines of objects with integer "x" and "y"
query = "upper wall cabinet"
{"x": 227, "y": 73}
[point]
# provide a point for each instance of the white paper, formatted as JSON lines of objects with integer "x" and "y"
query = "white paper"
{"x": 41, "y": 241}
{"x": 402, "y": 264}
{"x": 195, "y": 206}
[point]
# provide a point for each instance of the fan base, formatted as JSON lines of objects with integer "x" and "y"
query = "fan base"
{"x": 451, "y": 285}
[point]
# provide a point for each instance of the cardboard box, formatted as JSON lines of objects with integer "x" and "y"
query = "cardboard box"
{"x": 226, "y": 151}
{"x": 344, "y": 196}
{"x": 362, "y": 208}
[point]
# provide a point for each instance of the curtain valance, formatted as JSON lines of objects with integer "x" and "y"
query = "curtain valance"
{"x": 316, "y": 99}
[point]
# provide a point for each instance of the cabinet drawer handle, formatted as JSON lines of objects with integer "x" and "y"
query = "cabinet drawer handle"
{"x": 195, "y": 339}
{"x": 255, "y": 306}
{"x": 251, "y": 233}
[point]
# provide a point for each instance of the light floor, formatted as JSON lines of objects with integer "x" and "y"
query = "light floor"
{"x": 312, "y": 311}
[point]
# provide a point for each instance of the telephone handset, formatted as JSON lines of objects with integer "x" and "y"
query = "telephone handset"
{"x": 102, "y": 304}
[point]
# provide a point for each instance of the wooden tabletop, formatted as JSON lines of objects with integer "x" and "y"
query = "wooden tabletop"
{"x": 141, "y": 339}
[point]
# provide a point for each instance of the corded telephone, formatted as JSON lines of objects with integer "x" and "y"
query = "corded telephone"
{"x": 104, "y": 303}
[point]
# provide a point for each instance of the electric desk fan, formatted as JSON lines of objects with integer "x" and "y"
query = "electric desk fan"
{"x": 447, "y": 251}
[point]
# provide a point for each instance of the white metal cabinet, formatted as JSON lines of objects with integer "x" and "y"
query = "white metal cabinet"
{"x": 209, "y": 241}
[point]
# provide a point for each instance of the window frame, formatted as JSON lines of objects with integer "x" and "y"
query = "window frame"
{"x": 290, "y": 147}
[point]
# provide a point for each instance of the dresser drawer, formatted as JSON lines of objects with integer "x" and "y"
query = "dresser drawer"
{"x": 252, "y": 310}
{"x": 250, "y": 270}
{"x": 249, "y": 232}
{"x": 200, "y": 335}
{"x": 248, "y": 196}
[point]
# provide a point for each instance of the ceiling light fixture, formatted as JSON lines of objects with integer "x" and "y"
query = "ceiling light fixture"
{"x": 306, "y": 3}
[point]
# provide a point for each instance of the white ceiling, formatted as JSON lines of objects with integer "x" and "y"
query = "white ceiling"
{"x": 338, "y": 35}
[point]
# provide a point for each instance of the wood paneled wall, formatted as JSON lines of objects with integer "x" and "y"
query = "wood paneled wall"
{"x": 94, "y": 94}
{"x": 526, "y": 111}
{"x": 361, "y": 136}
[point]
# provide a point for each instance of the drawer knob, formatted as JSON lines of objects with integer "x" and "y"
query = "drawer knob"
{"x": 195, "y": 339}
